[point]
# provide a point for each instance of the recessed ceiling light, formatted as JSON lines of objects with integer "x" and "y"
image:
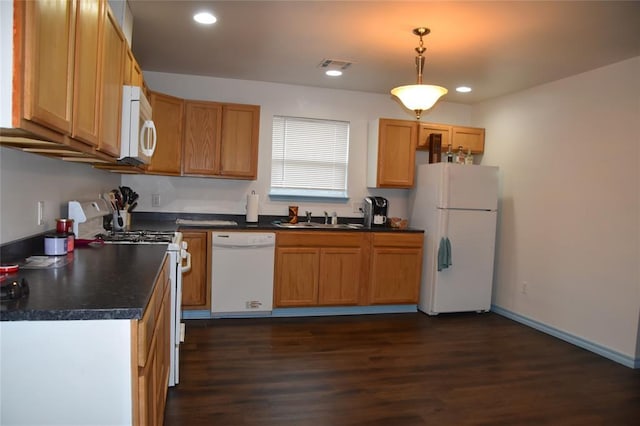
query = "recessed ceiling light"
{"x": 204, "y": 18}
{"x": 463, "y": 89}
{"x": 333, "y": 73}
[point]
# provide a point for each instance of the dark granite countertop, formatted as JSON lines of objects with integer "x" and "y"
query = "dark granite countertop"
{"x": 113, "y": 281}
{"x": 158, "y": 221}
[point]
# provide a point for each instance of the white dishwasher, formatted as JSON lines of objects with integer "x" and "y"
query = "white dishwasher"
{"x": 242, "y": 272}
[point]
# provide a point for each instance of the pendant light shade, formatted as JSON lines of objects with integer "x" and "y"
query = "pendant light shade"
{"x": 419, "y": 97}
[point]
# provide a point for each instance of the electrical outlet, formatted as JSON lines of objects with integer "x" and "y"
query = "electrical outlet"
{"x": 155, "y": 200}
{"x": 357, "y": 207}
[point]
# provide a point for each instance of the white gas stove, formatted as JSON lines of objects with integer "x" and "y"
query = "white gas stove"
{"x": 88, "y": 218}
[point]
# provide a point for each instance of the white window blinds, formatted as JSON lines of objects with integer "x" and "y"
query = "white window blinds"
{"x": 309, "y": 157}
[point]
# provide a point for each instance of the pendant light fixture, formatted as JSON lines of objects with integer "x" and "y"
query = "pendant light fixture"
{"x": 419, "y": 97}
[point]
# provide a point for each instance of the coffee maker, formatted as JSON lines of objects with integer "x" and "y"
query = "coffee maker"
{"x": 375, "y": 212}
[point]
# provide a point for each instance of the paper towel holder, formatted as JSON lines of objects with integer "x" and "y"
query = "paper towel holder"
{"x": 252, "y": 208}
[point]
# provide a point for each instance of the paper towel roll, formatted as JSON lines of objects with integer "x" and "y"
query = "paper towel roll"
{"x": 252, "y": 207}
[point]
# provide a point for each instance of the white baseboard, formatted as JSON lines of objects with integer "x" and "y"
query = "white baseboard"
{"x": 625, "y": 360}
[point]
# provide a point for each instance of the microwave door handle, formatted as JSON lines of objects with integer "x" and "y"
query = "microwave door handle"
{"x": 148, "y": 131}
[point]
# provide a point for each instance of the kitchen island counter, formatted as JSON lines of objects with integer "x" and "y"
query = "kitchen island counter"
{"x": 113, "y": 281}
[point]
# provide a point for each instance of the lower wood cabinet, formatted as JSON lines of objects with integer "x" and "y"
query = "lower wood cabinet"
{"x": 151, "y": 350}
{"x": 196, "y": 288}
{"x": 396, "y": 267}
{"x": 318, "y": 268}
{"x": 338, "y": 268}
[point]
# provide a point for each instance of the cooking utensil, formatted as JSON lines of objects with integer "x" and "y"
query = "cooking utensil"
{"x": 131, "y": 207}
{"x": 120, "y": 220}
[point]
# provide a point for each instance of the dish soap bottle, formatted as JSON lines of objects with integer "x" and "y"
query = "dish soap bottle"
{"x": 469, "y": 158}
{"x": 460, "y": 156}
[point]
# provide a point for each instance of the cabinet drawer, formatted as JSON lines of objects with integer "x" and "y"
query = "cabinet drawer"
{"x": 389, "y": 239}
{"x": 319, "y": 239}
{"x": 147, "y": 324}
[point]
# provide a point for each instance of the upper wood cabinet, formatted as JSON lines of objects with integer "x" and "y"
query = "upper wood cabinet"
{"x": 67, "y": 78}
{"x": 87, "y": 72}
{"x": 132, "y": 71}
{"x": 113, "y": 45}
{"x": 456, "y": 136}
{"x": 391, "y": 153}
{"x": 213, "y": 139}
{"x": 469, "y": 138}
{"x": 221, "y": 140}
{"x": 49, "y": 36}
{"x": 427, "y": 129}
{"x": 168, "y": 112}
{"x": 201, "y": 144}
{"x": 239, "y": 141}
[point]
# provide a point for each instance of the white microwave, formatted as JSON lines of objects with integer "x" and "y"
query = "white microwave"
{"x": 138, "y": 137}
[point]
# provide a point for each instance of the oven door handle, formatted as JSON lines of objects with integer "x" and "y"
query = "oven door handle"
{"x": 185, "y": 255}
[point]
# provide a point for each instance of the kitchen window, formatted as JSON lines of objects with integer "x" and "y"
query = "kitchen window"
{"x": 309, "y": 157}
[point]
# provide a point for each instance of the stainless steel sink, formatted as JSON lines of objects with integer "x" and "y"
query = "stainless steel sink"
{"x": 314, "y": 225}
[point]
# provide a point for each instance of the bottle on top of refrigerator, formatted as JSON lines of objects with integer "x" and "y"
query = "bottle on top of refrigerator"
{"x": 460, "y": 155}
{"x": 469, "y": 158}
{"x": 449, "y": 155}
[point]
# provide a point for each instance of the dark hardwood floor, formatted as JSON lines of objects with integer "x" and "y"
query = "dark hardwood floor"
{"x": 402, "y": 369}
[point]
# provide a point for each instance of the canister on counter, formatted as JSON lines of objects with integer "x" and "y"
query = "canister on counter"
{"x": 293, "y": 214}
{"x": 62, "y": 224}
{"x": 65, "y": 226}
{"x": 55, "y": 244}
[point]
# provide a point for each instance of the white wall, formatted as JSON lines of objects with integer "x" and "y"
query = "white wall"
{"x": 569, "y": 225}
{"x": 180, "y": 194}
{"x": 27, "y": 178}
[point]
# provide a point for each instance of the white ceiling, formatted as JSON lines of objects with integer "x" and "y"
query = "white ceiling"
{"x": 494, "y": 47}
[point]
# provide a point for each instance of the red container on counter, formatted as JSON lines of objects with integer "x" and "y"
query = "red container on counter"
{"x": 65, "y": 226}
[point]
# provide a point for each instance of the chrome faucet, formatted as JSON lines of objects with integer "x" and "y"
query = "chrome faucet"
{"x": 308, "y": 213}
{"x": 326, "y": 218}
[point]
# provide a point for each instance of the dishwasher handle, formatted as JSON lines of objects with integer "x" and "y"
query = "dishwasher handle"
{"x": 242, "y": 241}
{"x": 231, "y": 245}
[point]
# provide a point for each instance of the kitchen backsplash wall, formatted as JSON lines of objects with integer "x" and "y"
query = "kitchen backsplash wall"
{"x": 207, "y": 195}
{"x": 26, "y": 179}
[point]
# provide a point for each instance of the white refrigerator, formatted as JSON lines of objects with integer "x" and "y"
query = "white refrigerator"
{"x": 456, "y": 205}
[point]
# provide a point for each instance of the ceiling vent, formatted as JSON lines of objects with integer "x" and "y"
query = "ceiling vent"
{"x": 334, "y": 64}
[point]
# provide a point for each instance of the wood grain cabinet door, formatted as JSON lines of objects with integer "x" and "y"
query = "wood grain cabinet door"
{"x": 111, "y": 94}
{"x": 239, "y": 141}
{"x": 87, "y": 74}
{"x": 396, "y": 268}
{"x": 196, "y": 291}
{"x": 469, "y": 138}
{"x": 339, "y": 282}
{"x": 201, "y": 146}
{"x": 49, "y": 60}
{"x": 427, "y": 129}
{"x": 397, "y": 141}
{"x": 168, "y": 113}
{"x": 296, "y": 276}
